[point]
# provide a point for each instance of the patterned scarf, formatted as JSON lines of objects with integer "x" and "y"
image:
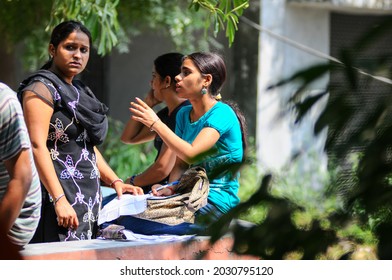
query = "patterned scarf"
{"x": 80, "y": 101}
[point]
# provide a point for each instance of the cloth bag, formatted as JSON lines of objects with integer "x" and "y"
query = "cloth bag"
{"x": 191, "y": 194}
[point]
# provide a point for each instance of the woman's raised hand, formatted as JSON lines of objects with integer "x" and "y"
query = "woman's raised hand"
{"x": 143, "y": 113}
{"x": 150, "y": 99}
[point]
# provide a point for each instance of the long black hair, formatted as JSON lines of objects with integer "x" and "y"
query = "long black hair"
{"x": 62, "y": 31}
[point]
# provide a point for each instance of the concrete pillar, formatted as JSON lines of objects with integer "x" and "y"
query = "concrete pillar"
{"x": 278, "y": 138}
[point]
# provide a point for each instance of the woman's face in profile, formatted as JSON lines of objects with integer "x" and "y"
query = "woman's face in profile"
{"x": 157, "y": 84}
{"x": 189, "y": 81}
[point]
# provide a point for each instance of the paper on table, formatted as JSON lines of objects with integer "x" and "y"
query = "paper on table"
{"x": 127, "y": 205}
{"x": 131, "y": 236}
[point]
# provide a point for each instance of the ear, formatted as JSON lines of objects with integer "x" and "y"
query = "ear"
{"x": 207, "y": 80}
{"x": 167, "y": 81}
{"x": 52, "y": 50}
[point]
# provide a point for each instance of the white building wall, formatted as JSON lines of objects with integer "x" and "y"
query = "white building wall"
{"x": 277, "y": 136}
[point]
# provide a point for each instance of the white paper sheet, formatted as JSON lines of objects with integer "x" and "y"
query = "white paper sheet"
{"x": 131, "y": 236}
{"x": 127, "y": 205}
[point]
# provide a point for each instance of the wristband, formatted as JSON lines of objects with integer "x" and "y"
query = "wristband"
{"x": 153, "y": 124}
{"x": 58, "y": 198}
{"x": 115, "y": 181}
{"x": 132, "y": 180}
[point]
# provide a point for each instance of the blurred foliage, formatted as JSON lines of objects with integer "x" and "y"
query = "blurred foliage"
{"x": 249, "y": 180}
{"x": 114, "y": 23}
{"x": 125, "y": 160}
{"x": 223, "y": 15}
{"x": 350, "y": 216}
{"x": 276, "y": 235}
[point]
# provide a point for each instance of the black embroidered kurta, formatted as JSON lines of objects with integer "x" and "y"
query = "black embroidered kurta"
{"x": 73, "y": 125}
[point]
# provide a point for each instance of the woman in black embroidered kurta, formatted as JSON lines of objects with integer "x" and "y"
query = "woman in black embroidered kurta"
{"x": 65, "y": 123}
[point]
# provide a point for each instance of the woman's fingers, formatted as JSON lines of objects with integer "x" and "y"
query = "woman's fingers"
{"x": 136, "y": 107}
{"x": 143, "y": 113}
{"x": 75, "y": 223}
{"x": 137, "y": 112}
{"x": 135, "y": 190}
{"x": 154, "y": 189}
{"x": 67, "y": 217}
{"x": 71, "y": 222}
{"x": 122, "y": 188}
{"x": 141, "y": 102}
{"x": 138, "y": 191}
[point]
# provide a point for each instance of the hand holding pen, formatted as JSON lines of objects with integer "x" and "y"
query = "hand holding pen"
{"x": 163, "y": 190}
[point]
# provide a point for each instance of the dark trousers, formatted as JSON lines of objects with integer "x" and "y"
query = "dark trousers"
{"x": 148, "y": 227}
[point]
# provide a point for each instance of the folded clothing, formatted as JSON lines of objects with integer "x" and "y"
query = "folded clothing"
{"x": 112, "y": 231}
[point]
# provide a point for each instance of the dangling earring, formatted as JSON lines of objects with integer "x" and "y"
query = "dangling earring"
{"x": 204, "y": 90}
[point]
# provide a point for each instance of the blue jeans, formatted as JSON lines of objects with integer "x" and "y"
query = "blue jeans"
{"x": 148, "y": 227}
{"x": 108, "y": 198}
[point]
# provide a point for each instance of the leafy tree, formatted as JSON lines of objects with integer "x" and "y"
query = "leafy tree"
{"x": 354, "y": 127}
{"x": 113, "y": 23}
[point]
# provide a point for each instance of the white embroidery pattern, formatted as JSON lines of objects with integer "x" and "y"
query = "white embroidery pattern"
{"x": 59, "y": 133}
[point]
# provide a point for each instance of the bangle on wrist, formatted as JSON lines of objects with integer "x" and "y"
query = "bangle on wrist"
{"x": 132, "y": 180}
{"x": 153, "y": 124}
{"x": 58, "y": 198}
{"x": 115, "y": 181}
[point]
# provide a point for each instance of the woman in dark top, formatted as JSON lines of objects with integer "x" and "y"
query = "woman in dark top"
{"x": 163, "y": 90}
{"x": 65, "y": 123}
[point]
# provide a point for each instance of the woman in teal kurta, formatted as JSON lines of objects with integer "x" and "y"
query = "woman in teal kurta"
{"x": 226, "y": 154}
{"x": 209, "y": 133}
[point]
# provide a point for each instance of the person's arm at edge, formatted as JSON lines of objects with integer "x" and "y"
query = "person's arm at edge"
{"x": 20, "y": 173}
